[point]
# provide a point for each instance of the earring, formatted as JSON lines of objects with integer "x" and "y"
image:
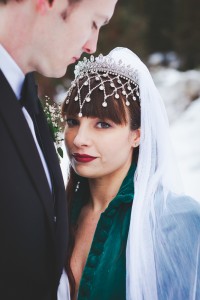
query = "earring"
{"x": 136, "y": 144}
{"x": 77, "y": 186}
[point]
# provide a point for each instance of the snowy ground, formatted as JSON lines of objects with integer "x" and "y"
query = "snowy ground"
{"x": 186, "y": 140}
{"x": 181, "y": 94}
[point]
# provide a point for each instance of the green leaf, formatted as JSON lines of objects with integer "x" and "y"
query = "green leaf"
{"x": 60, "y": 151}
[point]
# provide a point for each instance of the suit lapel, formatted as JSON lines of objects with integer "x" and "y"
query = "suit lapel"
{"x": 60, "y": 208}
{"x": 57, "y": 179}
{"x": 11, "y": 113}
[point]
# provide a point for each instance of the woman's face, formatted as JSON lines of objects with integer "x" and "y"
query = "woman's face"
{"x": 99, "y": 148}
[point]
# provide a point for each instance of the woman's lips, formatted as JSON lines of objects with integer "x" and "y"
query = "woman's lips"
{"x": 84, "y": 158}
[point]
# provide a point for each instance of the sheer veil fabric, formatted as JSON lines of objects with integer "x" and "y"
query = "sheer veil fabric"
{"x": 162, "y": 254}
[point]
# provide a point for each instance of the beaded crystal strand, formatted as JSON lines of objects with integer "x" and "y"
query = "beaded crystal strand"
{"x": 103, "y": 70}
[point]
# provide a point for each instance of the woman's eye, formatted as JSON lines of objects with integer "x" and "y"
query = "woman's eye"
{"x": 103, "y": 125}
{"x": 71, "y": 122}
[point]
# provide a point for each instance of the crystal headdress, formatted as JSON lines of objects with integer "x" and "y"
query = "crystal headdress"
{"x": 105, "y": 64}
{"x": 104, "y": 69}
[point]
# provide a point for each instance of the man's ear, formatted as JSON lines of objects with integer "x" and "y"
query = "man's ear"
{"x": 136, "y": 138}
{"x": 42, "y": 6}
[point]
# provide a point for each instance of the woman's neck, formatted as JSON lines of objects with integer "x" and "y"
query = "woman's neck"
{"x": 104, "y": 189}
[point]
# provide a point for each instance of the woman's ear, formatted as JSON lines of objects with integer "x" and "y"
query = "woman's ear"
{"x": 136, "y": 138}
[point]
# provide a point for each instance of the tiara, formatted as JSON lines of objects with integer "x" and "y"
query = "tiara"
{"x": 105, "y": 64}
{"x": 104, "y": 70}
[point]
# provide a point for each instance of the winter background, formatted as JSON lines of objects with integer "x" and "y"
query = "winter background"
{"x": 181, "y": 94}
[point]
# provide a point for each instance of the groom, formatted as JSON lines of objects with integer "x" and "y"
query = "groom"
{"x": 43, "y": 36}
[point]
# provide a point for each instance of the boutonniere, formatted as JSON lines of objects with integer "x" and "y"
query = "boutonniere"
{"x": 55, "y": 122}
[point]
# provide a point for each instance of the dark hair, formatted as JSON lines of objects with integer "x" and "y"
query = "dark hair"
{"x": 118, "y": 112}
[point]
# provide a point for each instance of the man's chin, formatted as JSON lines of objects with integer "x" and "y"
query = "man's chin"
{"x": 54, "y": 73}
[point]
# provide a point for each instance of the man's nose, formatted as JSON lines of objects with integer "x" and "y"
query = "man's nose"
{"x": 91, "y": 45}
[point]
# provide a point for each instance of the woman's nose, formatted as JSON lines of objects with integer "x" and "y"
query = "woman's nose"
{"x": 82, "y": 138}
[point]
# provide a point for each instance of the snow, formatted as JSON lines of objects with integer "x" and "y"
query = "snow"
{"x": 181, "y": 94}
{"x": 185, "y": 134}
{"x": 178, "y": 89}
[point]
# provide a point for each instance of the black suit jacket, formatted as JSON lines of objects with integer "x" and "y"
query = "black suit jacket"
{"x": 32, "y": 244}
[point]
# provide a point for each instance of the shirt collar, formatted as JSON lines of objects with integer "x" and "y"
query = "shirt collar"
{"x": 11, "y": 71}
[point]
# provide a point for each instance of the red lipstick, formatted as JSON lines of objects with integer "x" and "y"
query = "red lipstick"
{"x": 83, "y": 158}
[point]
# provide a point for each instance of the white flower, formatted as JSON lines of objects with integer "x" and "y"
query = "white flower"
{"x": 55, "y": 122}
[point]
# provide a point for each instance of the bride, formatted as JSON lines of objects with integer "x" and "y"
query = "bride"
{"x": 133, "y": 234}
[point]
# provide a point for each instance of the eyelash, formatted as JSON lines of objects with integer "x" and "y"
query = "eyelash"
{"x": 101, "y": 125}
{"x": 105, "y": 125}
{"x": 94, "y": 25}
{"x": 71, "y": 122}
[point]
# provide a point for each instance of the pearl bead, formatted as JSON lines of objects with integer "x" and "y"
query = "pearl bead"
{"x": 87, "y": 99}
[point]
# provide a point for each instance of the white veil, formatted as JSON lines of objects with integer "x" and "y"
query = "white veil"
{"x": 163, "y": 256}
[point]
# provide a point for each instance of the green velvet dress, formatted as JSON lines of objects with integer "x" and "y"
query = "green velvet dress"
{"x": 104, "y": 275}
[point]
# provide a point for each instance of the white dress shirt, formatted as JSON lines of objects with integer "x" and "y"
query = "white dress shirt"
{"x": 63, "y": 289}
{"x": 15, "y": 78}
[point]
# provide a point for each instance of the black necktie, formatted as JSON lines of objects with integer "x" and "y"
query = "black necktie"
{"x": 29, "y": 97}
{"x": 29, "y": 100}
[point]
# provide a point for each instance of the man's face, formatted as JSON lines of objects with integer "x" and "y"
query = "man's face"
{"x": 64, "y": 32}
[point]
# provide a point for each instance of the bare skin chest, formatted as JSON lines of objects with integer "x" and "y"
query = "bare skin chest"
{"x": 87, "y": 224}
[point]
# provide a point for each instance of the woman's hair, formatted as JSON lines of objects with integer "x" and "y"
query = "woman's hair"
{"x": 116, "y": 111}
